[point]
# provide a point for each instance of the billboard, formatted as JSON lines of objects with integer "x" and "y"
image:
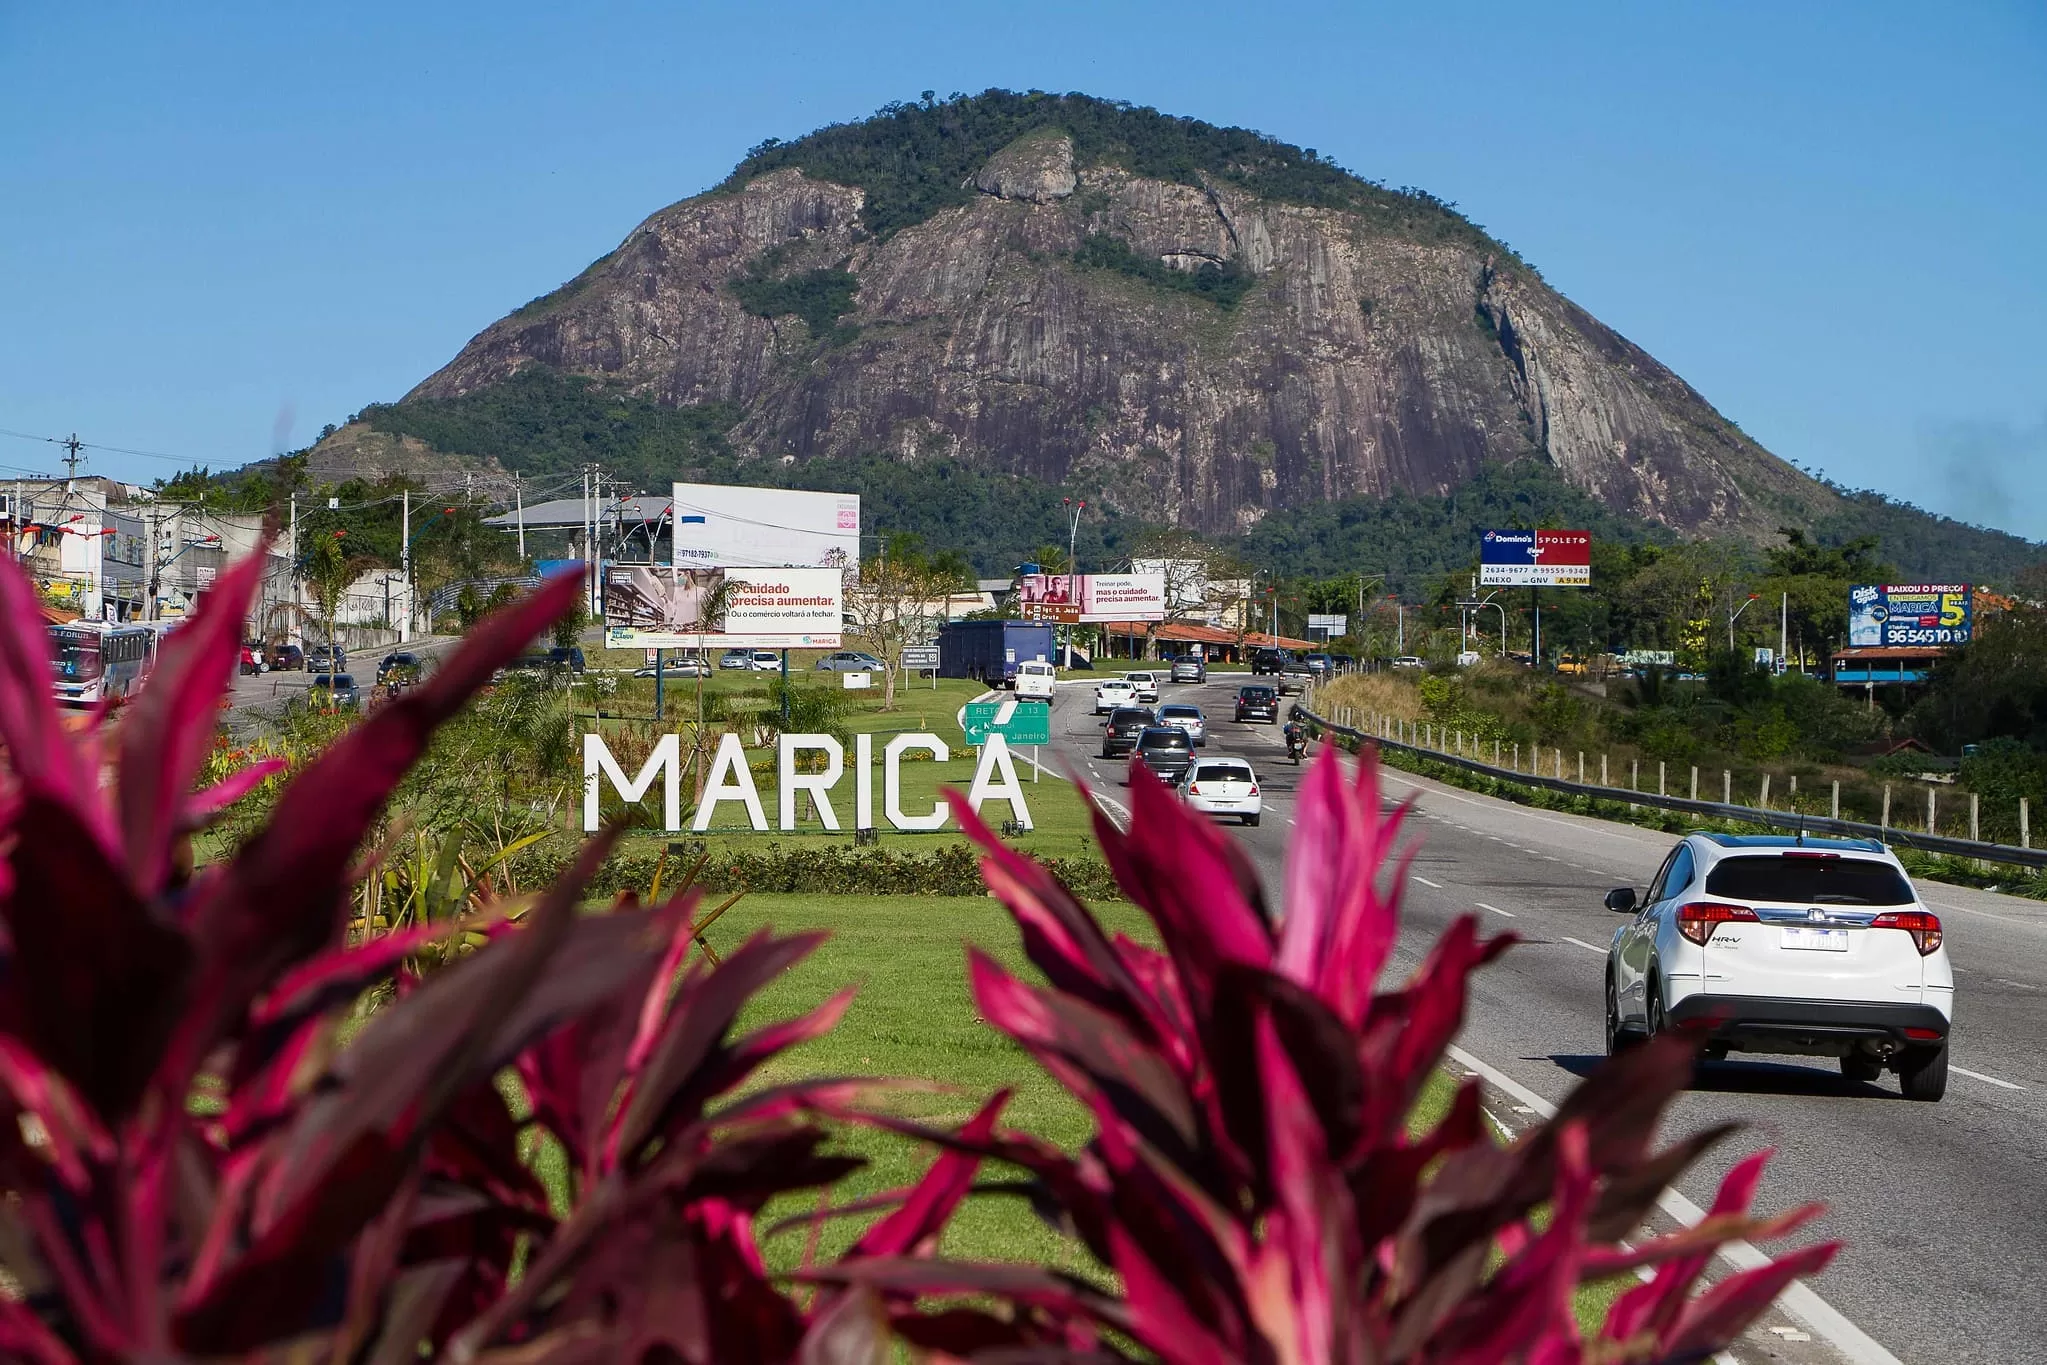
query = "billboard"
{"x": 1329, "y": 625}
{"x": 650, "y": 606}
{"x": 1894, "y": 614}
{"x": 724, "y": 526}
{"x": 1535, "y": 559}
{"x": 1092, "y": 597}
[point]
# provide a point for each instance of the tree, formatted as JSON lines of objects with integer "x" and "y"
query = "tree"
{"x": 1203, "y": 581}
{"x": 329, "y": 568}
{"x": 899, "y": 594}
{"x": 1809, "y": 583}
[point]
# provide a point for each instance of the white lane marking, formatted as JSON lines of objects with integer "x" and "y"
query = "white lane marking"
{"x": 1495, "y": 909}
{"x": 1979, "y": 1076}
{"x": 1591, "y": 948}
{"x": 1984, "y": 914}
{"x": 1425, "y": 881}
{"x": 1798, "y": 1301}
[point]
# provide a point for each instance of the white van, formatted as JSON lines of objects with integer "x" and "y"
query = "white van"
{"x": 1034, "y": 681}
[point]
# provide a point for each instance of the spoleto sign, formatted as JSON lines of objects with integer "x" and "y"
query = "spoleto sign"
{"x": 731, "y": 780}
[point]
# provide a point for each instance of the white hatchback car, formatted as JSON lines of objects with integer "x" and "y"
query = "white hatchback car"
{"x": 1223, "y": 786}
{"x": 1112, "y": 694}
{"x": 1794, "y": 946}
{"x": 1147, "y": 685}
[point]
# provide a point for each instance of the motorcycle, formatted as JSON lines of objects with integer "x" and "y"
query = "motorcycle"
{"x": 1296, "y": 744}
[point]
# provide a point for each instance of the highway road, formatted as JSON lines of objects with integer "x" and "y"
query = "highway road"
{"x": 1941, "y": 1205}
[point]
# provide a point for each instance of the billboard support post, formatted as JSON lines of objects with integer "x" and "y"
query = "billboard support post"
{"x": 659, "y": 654}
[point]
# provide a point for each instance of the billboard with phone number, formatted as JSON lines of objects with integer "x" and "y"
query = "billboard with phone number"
{"x": 1899, "y": 614}
{"x": 1535, "y": 559}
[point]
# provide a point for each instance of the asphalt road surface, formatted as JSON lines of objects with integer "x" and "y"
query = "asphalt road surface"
{"x": 1943, "y": 1206}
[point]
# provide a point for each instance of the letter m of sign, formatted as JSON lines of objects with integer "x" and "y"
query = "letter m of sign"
{"x": 665, "y": 762}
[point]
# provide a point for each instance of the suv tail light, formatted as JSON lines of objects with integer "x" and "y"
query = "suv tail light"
{"x": 1698, "y": 920}
{"x": 1924, "y": 927}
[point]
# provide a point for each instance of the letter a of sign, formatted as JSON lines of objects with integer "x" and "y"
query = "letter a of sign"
{"x": 995, "y": 761}
{"x": 731, "y": 780}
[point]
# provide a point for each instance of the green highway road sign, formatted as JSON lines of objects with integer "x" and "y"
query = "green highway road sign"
{"x": 1028, "y": 722}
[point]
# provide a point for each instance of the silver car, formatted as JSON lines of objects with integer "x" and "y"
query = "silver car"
{"x": 1181, "y": 716}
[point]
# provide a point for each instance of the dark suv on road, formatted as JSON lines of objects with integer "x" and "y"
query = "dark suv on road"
{"x": 1258, "y": 702}
{"x": 325, "y": 659}
{"x": 1121, "y": 729}
{"x": 1268, "y": 660}
{"x": 1166, "y": 750}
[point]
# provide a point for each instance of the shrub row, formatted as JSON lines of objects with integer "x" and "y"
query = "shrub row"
{"x": 950, "y": 869}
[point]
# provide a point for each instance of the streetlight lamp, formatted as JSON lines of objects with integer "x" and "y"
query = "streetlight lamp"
{"x": 1735, "y": 615}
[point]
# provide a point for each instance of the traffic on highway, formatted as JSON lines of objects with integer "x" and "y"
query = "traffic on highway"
{"x": 1931, "y": 993}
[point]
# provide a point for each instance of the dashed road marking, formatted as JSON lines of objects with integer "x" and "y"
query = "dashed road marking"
{"x": 1495, "y": 909}
{"x": 1590, "y": 948}
{"x": 1425, "y": 881}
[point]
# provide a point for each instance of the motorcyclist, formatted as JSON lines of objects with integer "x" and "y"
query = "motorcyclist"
{"x": 1296, "y": 739}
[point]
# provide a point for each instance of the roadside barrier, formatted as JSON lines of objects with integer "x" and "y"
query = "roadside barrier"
{"x": 1891, "y": 835}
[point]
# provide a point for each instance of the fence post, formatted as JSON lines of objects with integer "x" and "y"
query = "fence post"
{"x": 1581, "y": 767}
{"x": 1726, "y": 787}
{"x": 1560, "y": 765}
{"x": 1834, "y": 806}
{"x": 1932, "y": 794}
{"x": 1794, "y": 791}
{"x": 1660, "y": 766}
{"x": 1695, "y": 782}
{"x": 1635, "y": 775}
{"x": 1602, "y": 772}
{"x": 1974, "y": 837}
{"x": 1517, "y": 755}
{"x": 1763, "y": 803}
{"x": 1496, "y": 753}
{"x": 2025, "y": 824}
{"x": 1885, "y": 822}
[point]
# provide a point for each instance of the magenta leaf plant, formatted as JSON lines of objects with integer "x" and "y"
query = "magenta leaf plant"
{"x": 1252, "y": 1181}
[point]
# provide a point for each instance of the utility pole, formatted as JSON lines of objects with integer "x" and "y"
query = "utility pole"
{"x": 72, "y": 459}
{"x": 519, "y": 499}
{"x": 405, "y": 562}
{"x": 294, "y": 562}
{"x": 149, "y": 566}
{"x": 1783, "y": 629}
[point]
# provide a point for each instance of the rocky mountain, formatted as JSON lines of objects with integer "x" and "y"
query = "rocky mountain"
{"x": 1202, "y": 325}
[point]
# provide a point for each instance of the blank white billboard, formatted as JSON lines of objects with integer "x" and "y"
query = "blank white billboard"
{"x": 721, "y": 526}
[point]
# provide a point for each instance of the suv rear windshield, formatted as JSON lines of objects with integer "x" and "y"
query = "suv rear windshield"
{"x": 1256, "y": 694}
{"x": 1163, "y": 739}
{"x": 1808, "y": 880}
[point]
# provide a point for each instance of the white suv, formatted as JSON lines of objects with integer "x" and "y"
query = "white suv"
{"x": 1147, "y": 685}
{"x": 1770, "y": 943}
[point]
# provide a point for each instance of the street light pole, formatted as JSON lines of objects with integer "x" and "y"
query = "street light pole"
{"x": 1072, "y": 578}
{"x": 1735, "y": 615}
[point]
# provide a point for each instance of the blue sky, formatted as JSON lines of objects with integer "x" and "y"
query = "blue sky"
{"x": 226, "y": 225}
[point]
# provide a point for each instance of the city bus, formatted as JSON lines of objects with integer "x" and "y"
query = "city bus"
{"x": 95, "y": 663}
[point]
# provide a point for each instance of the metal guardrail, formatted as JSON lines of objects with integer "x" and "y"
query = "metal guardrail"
{"x": 1750, "y": 815}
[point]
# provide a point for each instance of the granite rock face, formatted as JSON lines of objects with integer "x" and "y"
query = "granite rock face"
{"x": 1359, "y": 360}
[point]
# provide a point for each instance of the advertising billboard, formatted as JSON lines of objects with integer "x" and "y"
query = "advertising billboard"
{"x": 724, "y": 526}
{"x": 1893, "y": 614}
{"x": 649, "y": 606}
{"x": 1535, "y": 559}
{"x": 1092, "y": 597}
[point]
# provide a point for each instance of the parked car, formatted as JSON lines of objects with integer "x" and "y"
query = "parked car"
{"x": 325, "y": 659}
{"x": 285, "y": 656}
{"x": 569, "y": 657}
{"x": 736, "y": 658}
{"x": 1166, "y": 750}
{"x": 251, "y": 661}
{"x": 1258, "y": 701}
{"x": 1408, "y": 661}
{"x": 766, "y": 661}
{"x": 403, "y": 661}
{"x": 1190, "y": 670}
{"x": 334, "y": 691}
{"x": 688, "y": 666}
{"x": 1113, "y": 693}
{"x": 1786, "y": 945}
{"x": 1188, "y": 718}
{"x": 1124, "y": 725}
{"x": 1467, "y": 658}
{"x": 849, "y": 661}
{"x": 1223, "y": 786}
{"x": 1036, "y": 681}
{"x": 1146, "y": 684}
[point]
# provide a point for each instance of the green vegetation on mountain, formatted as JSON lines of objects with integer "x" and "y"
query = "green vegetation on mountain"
{"x": 1222, "y": 285}
{"x": 914, "y": 159}
{"x": 819, "y": 297}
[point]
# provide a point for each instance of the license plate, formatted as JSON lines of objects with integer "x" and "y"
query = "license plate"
{"x": 1822, "y": 940}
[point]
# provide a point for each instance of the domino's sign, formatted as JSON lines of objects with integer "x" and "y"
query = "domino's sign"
{"x": 1535, "y": 559}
